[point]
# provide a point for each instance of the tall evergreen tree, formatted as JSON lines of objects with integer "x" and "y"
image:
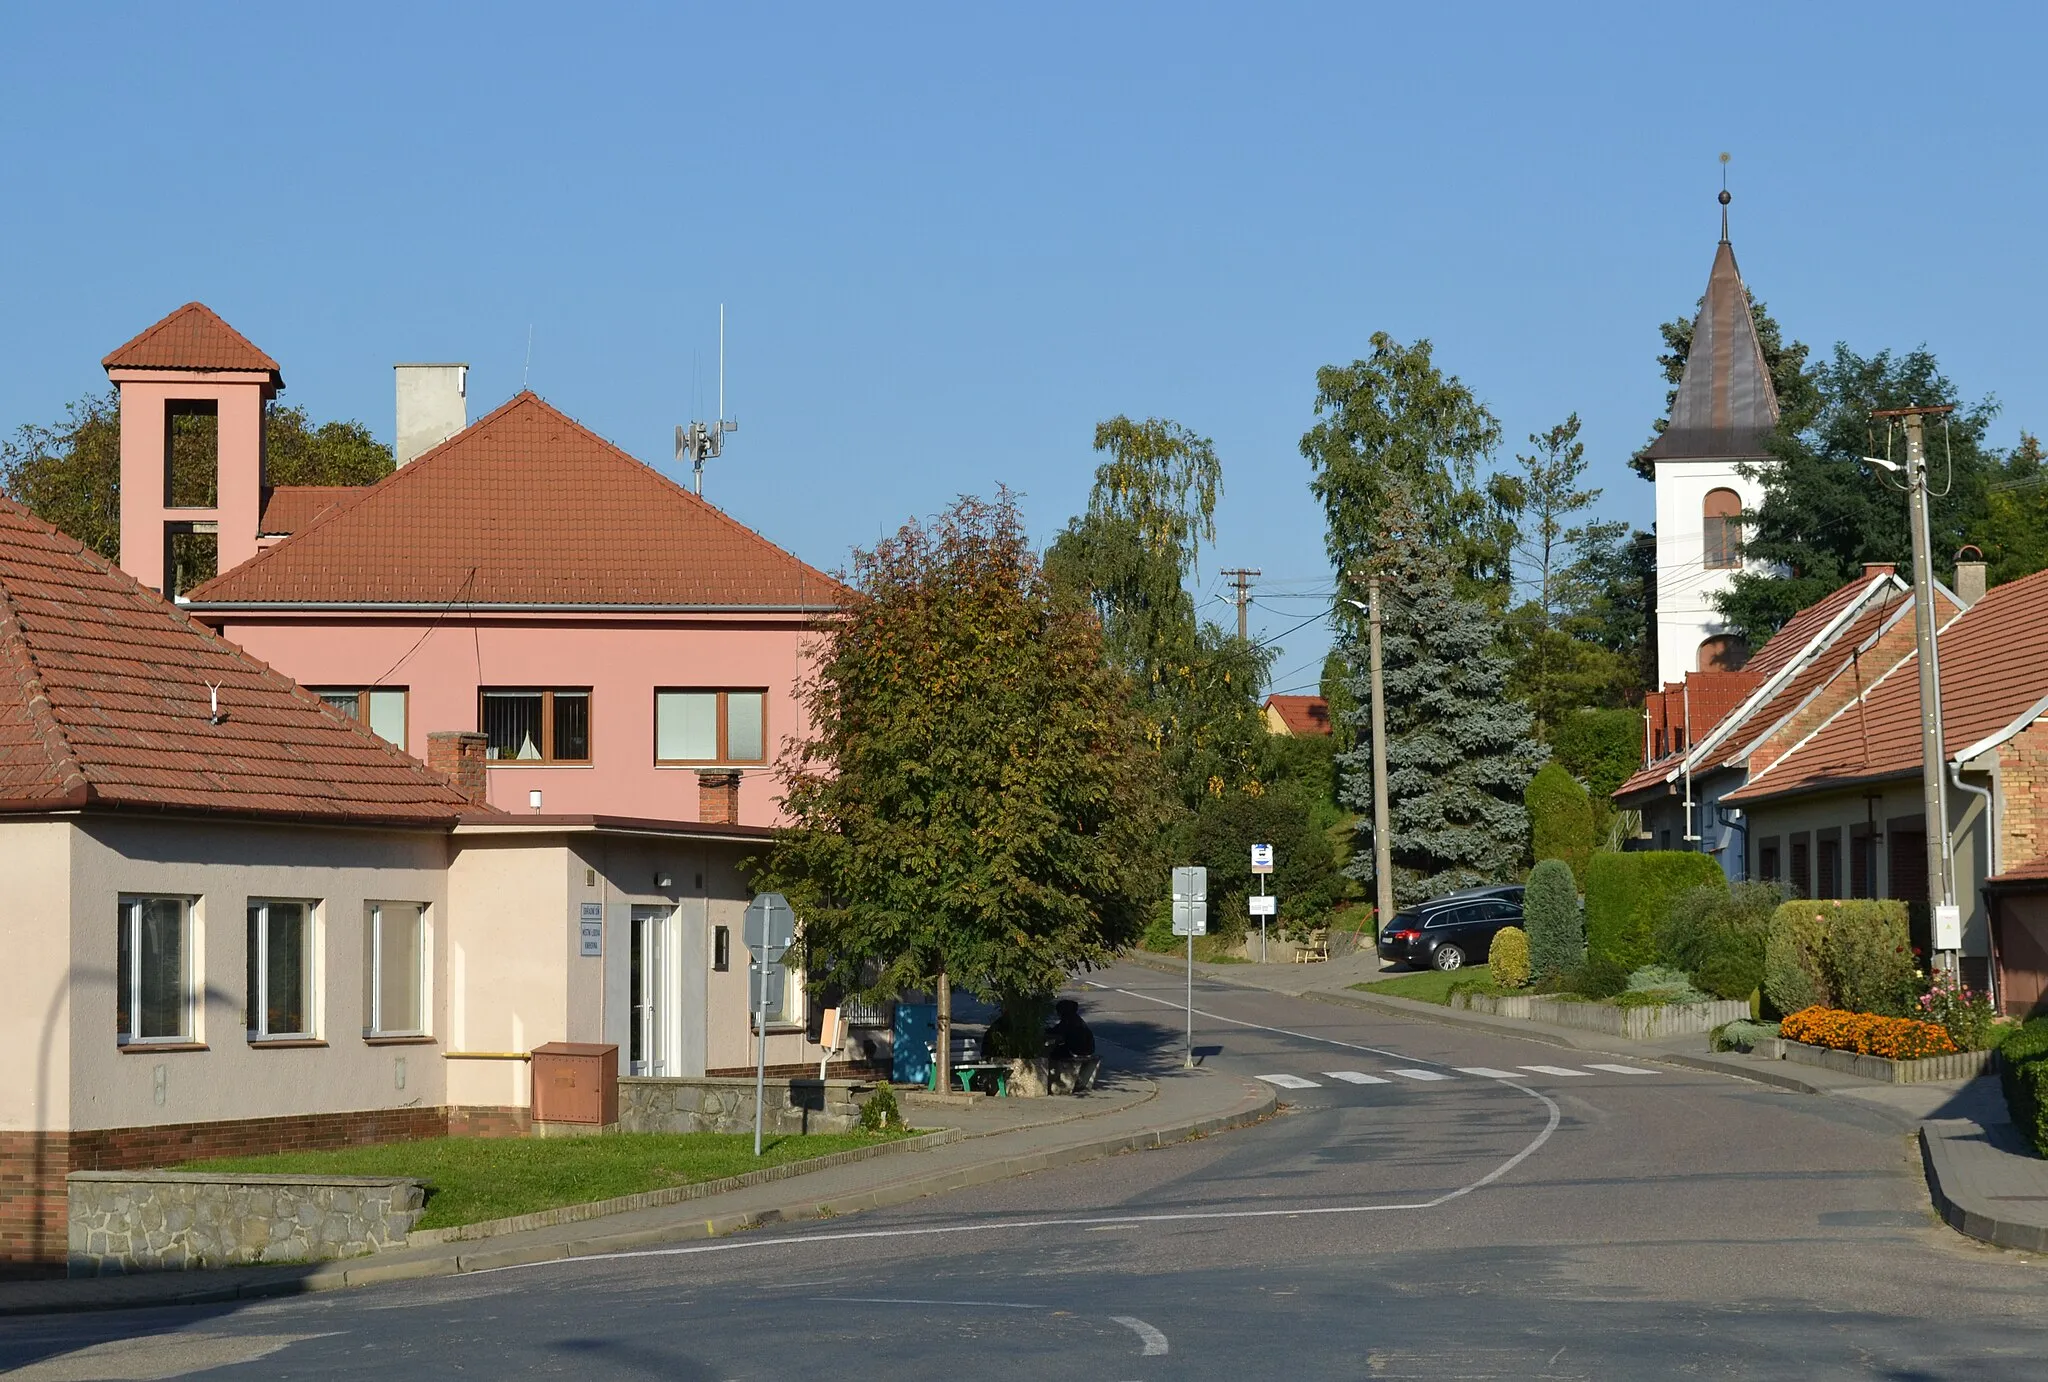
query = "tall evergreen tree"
{"x": 1460, "y": 751}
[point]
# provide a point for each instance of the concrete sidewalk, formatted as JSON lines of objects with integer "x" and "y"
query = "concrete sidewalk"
{"x": 1983, "y": 1177}
{"x": 997, "y": 1139}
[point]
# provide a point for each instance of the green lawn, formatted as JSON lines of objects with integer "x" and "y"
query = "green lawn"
{"x": 1433, "y": 985}
{"x": 475, "y": 1178}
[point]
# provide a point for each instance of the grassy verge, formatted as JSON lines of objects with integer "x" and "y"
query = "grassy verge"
{"x": 471, "y": 1179}
{"x": 1434, "y": 985}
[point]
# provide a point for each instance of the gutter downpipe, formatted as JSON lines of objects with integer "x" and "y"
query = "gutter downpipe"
{"x": 1955, "y": 775}
{"x": 1691, "y": 838}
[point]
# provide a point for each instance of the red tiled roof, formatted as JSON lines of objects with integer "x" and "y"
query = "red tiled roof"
{"x": 525, "y": 507}
{"x": 1302, "y": 714}
{"x": 105, "y": 700}
{"x": 288, "y": 508}
{"x": 1823, "y": 669}
{"x": 194, "y": 338}
{"x": 1798, "y": 631}
{"x": 2033, "y": 871}
{"x": 1994, "y": 668}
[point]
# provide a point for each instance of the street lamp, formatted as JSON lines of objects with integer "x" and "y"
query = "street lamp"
{"x": 1382, "y": 848}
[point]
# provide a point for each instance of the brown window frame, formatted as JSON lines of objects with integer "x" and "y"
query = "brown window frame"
{"x": 547, "y": 725}
{"x": 362, "y": 715}
{"x": 1721, "y": 534}
{"x": 724, "y": 757}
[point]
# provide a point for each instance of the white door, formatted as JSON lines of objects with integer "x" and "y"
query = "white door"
{"x": 651, "y": 990}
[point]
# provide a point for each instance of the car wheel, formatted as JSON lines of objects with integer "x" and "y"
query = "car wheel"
{"x": 1448, "y": 957}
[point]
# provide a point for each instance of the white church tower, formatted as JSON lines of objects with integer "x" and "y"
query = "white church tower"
{"x": 1721, "y": 420}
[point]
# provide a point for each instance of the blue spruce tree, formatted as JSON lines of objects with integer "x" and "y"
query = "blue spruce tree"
{"x": 1460, "y": 750}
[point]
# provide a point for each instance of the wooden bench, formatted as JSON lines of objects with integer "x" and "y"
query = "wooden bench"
{"x": 1316, "y": 948}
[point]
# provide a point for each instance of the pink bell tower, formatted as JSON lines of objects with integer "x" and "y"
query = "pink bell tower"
{"x": 193, "y": 391}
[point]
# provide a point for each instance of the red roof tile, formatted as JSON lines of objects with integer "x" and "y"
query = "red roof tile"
{"x": 2033, "y": 871}
{"x": 1302, "y": 714}
{"x": 288, "y": 508}
{"x": 525, "y": 507}
{"x": 105, "y": 700}
{"x": 1994, "y": 669}
{"x": 191, "y": 338}
{"x": 1822, "y": 669}
{"x": 1798, "y": 631}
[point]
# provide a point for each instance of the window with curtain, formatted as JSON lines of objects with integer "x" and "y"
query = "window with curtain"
{"x": 536, "y": 726}
{"x": 1722, "y": 530}
{"x": 710, "y": 727}
{"x": 279, "y": 997}
{"x": 382, "y": 708}
{"x": 394, "y": 969}
{"x": 153, "y": 979}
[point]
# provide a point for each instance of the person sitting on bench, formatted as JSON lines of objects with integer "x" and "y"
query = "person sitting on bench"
{"x": 1070, "y": 1050}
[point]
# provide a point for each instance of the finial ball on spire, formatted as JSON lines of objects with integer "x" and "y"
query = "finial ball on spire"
{"x": 1724, "y": 197}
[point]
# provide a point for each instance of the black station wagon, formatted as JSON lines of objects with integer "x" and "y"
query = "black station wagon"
{"x": 1451, "y": 931}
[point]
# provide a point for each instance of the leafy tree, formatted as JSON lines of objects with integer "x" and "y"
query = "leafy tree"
{"x": 1601, "y": 748}
{"x": 2013, "y": 532}
{"x": 1786, "y": 363}
{"x": 1616, "y": 573}
{"x": 1459, "y": 750}
{"x": 1152, "y": 507}
{"x": 1395, "y": 424}
{"x": 1305, "y": 876}
{"x": 1560, "y": 819}
{"x": 1307, "y": 762}
{"x": 69, "y": 473}
{"x": 977, "y": 803}
{"x": 1825, "y": 513}
{"x": 1335, "y": 689}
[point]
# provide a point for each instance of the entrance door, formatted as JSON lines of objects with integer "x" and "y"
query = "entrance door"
{"x": 652, "y": 993}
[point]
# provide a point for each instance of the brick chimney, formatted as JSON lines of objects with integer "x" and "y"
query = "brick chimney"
{"x": 718, "y": 798}
{"x": 458, "y": 755}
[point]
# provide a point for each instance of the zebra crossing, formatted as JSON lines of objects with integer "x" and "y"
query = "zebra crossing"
{"x": 1397, "y": 1075}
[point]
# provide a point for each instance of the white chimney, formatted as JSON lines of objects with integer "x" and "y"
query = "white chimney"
{"x": 432, "y": 406}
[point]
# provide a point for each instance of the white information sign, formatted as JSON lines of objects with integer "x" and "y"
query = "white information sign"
{"x": 1262, "y": 858}
{"x": 1191, "y": 901}
{"x": 592, "y": 925}
{"x": 1265, "y": 905}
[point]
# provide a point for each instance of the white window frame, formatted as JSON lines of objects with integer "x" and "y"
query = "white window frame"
{"x": 130, "y": 921}
{"x": 258, "y": 1000}
{"x": 373, "y": 1006}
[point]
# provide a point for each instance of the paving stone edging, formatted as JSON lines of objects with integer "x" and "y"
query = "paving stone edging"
{"x": 676, "y": 1194}
{"x": 1962, "y": 1206}
{"x": 1260, "y": 1103}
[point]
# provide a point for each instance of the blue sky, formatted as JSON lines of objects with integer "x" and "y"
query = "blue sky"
{"x": 952, "y": 238}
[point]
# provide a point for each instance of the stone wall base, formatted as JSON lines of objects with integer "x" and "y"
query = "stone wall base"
{"x": 1962, "y": 1065}
{"x": 138, "y": 1221}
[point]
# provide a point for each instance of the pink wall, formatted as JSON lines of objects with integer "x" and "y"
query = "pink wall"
{"x": 621, "y": 658}
{"x": 240, "y": 490}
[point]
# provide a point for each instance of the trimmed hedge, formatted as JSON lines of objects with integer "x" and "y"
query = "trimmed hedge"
{"x": 1560, "y": 818}
{"x": 1507, "y": 959}
{"x": 2023, "y": 1070}
{"x": 1628, "y": 896}
{"x": 1556, "y": 929}
{"x": 1854, "y": 954}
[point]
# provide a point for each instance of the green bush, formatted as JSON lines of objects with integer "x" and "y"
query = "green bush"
{"x": 1305, "y": 874}
{"x": 1560, "y": 818}
{"x": 1654, "y": 985}
{"x": 1682, "y": 937}
{"x": 1628, "y": 897}
{"x": 1717, "y": 935}
{"x": 880, "y": 1113}
{"x": 1851, "y": 954}
{"x": 1601, "y": 748}
{"x": 1556, "y": 929}
{"x": 1792, "y": 970}
{"x": 1508, "y": 957}
{"x": 2023, "y": 1071}
{"x": 1742, "y": 1035}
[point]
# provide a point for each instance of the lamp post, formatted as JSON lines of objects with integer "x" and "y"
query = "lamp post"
{"x": 1382, "y": 849}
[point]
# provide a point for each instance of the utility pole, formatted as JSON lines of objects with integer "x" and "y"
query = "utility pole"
{"x": 1382, "y": 847}
{"x": 1242, "y": 577}
{"x": 1941, "y": 885}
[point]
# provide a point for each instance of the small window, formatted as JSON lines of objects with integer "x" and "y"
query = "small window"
{"x": 710, "y": 726}
{"x": 721, "y": 948}
{"x": 536, "y": 726}
{"x": 1721, "y": 530}
{"x": 394, "y": 969}
{"x": 154, "y": 971}
{"x": 191, "y": 453}
{"x": 1767, "y": 861}
{"x": 280, "y": 992}
{"x": 382, "y": 708}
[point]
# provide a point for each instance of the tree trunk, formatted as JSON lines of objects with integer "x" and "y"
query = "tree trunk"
{"x": 943, "y": 1057}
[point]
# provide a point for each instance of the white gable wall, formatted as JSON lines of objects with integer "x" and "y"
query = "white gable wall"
{"x": 1685, "y": 588}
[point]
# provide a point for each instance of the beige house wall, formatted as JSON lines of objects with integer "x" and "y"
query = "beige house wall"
{"x": 221, "y": 866}
{"x": 36, "y": 1017}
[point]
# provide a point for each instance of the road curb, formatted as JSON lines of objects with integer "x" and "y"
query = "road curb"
{"x": 1258, "y": 1103}
{"x": 1967, "y": 1212}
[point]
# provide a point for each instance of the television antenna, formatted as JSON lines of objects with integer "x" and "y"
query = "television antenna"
{"x": 701, "y": 441}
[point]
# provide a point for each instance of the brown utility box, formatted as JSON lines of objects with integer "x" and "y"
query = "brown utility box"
{"x": 576, "y": 1082}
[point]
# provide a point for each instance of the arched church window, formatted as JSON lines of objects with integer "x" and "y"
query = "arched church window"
{"x": 1722, "y": 530}
{"x": 1724, "y": 652}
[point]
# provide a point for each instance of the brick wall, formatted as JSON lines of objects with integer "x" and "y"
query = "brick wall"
{"x": 718, "y": 798}
{"x": 2023, "y": 768}
{"x": 458, "y": 755}
{"x": 33, "y": 1164}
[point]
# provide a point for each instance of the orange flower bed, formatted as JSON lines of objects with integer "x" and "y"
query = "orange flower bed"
{"x": 1894, "y": 1038}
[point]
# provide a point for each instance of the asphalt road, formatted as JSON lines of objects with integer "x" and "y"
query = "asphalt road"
{"x": 1522, "y": 1223}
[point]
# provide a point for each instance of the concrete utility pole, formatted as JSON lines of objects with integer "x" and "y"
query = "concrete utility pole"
{"x": 1941, "y": 886}
{"x": 1382, "y": 848}
{"x": 1242, "y": 577}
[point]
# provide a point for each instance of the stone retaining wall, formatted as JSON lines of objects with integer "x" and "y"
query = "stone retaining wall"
{"x": 1637, "y": 1024}
{"x": 1962, "y": 1065}
{"x": 660, "y": 1103}
{"x": 129, "y": 1221}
